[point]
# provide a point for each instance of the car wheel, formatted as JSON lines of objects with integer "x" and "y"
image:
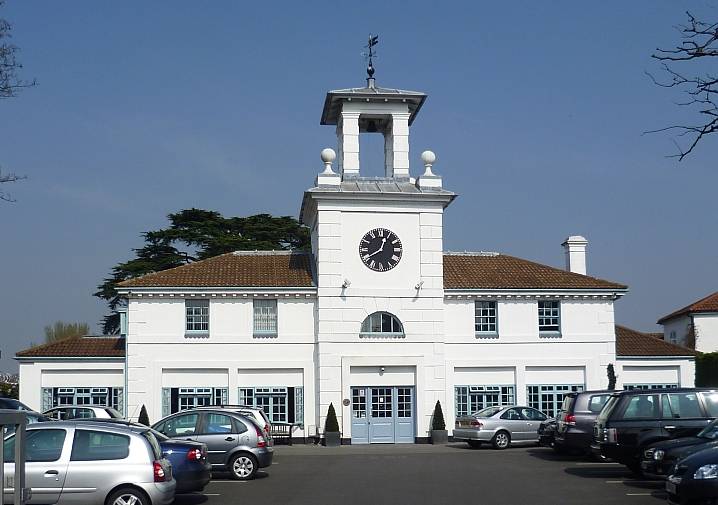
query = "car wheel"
{"x": 474, "y": 444}
{"x": 127, "y": 496}
{"x": 501, "y": 440}
{"x": 243, "y": 466}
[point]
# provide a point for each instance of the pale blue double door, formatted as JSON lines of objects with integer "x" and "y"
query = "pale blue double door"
{"x": 383, "y": 415}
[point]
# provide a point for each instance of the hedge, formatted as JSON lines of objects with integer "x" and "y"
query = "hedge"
{"x": 707, "y": 369}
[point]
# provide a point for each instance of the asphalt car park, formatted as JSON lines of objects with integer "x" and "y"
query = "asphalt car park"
{"x": 426, "y": 474}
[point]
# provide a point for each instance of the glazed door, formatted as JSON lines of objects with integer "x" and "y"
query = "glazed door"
{"x": 381, "y": 415}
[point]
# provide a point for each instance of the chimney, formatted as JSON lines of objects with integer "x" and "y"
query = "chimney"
{"x": 575, "y": 249}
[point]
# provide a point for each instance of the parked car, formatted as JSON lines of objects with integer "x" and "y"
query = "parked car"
{"x": 694, "y": 479}
{"x": 547, "y": 432}
{"x": 69, "y": 412}
{"x": 85, "y": 463}
{"x": 235, "y": 442}
{"x": 255, "y": 413}
{"x": 631, "y": 421}
{"x": 12, "y": 404}
{"x": 500, "y": 426}
{"x": 660, "y": 458}
{"x": 575, "y": 420}
{"x": 190, "y": 466}
{"x": 32, "y": 418}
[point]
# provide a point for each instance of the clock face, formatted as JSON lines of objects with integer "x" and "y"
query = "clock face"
{"x": 380, "y": 249}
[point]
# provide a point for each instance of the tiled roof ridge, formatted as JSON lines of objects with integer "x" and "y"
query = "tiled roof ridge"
{"x": 265, "y": 252}
{"x": 489, "y": 254}
{"x": 49, "y": 344}
{"x": 694, "y": 307}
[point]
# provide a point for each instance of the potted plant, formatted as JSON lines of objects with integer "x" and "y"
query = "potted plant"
{"x": 332, "y": 437}
{"x": 439, "y": 434}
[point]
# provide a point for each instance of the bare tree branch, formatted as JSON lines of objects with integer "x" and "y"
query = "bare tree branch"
{"x": 699, "y": 40}
{"x": 10, "y": 177}
{"x": 10, "y": 84}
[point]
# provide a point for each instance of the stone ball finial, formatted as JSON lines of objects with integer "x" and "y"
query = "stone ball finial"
{"x": 328, "y": 155}
{"x": 428, "y": 157}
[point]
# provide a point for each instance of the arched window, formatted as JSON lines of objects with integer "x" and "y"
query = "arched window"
{"x": 381, "y": 324}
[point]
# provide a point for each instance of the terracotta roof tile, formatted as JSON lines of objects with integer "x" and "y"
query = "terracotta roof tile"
{"x": 499, "y": 271}
{"x": 707, "y": 304}
{"x": 78, "y": 347}
{"x": 275, "y": 269}
{"x": 636, "y": 343}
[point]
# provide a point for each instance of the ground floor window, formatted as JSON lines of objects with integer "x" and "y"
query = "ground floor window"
{"x": 471, "y": 399}
{"x": 548, "y": 397}
{"x": 176, "y": 399}
{"x": 650, "y": 386}
{"x": 281, "y": 404}
{"x": 101, "y": 397}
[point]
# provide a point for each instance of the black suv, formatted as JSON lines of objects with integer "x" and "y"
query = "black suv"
{"x": 574, "y": 422}
{"x": 633, "y": 420}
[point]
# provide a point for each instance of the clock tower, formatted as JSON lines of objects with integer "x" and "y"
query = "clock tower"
{"x": 377, "y": 246}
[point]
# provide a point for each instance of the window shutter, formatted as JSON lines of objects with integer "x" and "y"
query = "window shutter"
{"x": 299, "y": 405}
{"x": 166, "y": 395}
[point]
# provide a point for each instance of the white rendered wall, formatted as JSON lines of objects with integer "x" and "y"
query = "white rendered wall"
{"x": 160, "y": 355}
{"x": 340, "y": 311}
{"x": 681, "y": 325}
{"x": 523, "y": 357}
{"x": 34, "y": 375}
{"x": 706, "y": 332}
{"x": 655, "y": 371}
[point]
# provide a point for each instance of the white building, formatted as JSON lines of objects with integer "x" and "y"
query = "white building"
{"x": 376, "y": 319}
{"x": 694, "y": 326}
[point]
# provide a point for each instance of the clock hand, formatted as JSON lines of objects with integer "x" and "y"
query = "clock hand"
{"x": 378, "y": 250}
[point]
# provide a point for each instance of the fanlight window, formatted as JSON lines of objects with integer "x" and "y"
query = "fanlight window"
{"x": 382, "y": 323}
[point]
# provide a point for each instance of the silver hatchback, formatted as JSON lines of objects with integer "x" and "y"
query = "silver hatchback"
{"x": 89, "y": 463}
{"x": 499, "y": 426}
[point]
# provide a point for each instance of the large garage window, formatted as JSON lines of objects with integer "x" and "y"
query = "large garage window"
{"x": 176, "y": 399}
{"x": 649, "y": 386}
{"x": 470, "y": 399}
{"x": 548, "y": 397}
{"x": 100, "y": 397}
{"x": 381, "y": 324}
{"x": 281, "y": 404}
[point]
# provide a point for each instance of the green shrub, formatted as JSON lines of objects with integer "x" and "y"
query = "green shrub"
{"x": 437, "y": 420}
{"x": 331, "y": 424}
{"x": 707, "y": 369}
{"x": 144, "y": 418}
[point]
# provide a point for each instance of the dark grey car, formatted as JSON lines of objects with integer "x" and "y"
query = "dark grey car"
{"x": 574, "y": 422}
{"x": 235, "y": 443}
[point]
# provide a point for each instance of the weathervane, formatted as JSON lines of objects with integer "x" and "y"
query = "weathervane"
{"x": 373, "y": 40}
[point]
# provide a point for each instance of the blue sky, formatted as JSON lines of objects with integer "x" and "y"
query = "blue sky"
{"x": 535, "y": 111}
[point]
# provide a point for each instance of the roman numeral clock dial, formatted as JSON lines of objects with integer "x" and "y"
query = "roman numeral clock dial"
{"x": 380, "y": 249}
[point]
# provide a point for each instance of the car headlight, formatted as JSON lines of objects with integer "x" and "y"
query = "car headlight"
{"x": 659, "y": 454}
{"x": 706, "y": 472}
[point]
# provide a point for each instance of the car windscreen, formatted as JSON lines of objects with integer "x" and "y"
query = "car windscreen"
{"x": 596, "y": 403}
{"x": 568, "y": 402}
{"x": 488, "y": 411}
{"x": 710, "y": 432}
{"x": 150, "y": 436}
{"x": 608, "y": 408}
{"x": 113, "y": 413}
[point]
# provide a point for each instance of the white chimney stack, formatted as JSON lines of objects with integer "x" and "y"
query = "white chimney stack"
{"x": 575, "y": 249}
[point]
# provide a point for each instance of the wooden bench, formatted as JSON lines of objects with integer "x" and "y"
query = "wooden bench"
{"x": 282, "y": 430}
